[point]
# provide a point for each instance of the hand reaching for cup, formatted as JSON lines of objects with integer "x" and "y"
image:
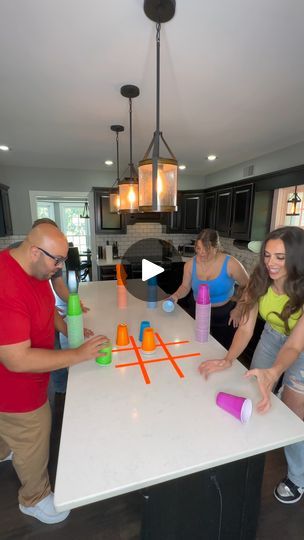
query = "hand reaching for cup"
{"x": 90, "y": 349}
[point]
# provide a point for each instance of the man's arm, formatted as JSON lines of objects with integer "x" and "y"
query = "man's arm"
{"x": 22, "y": 358}
{"x": 63, "y": 292}
{"x": 60, "y": 324}
{"x": 60, "y": 288}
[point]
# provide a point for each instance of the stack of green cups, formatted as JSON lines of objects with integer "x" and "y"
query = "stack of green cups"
{"x": 74, "y": 321}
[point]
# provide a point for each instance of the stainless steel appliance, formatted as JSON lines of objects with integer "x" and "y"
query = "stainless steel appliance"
{"x": 188, "y": 250}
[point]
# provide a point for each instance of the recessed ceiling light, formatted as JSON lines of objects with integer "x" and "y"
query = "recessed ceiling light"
{"x": 108, "y": 162}
{"x": 182, "y": 167}
{"x": 211, "y": 157}
{"x": 4, "y": 148}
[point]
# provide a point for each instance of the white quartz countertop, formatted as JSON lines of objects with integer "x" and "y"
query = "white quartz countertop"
{"x": 125, "y": 428}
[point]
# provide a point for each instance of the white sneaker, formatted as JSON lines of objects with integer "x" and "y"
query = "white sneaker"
{"x": 7, "y": 458}
{"x": 45, "y": 511}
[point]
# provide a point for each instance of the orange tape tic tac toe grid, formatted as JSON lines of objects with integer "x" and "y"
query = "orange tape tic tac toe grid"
{"x": 168, "y": 357}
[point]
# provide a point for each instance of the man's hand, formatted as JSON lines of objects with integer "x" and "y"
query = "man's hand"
{"x": 90, "y": 349}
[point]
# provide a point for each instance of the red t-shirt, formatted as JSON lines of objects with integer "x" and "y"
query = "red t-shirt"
{"x": 26, "y": 313}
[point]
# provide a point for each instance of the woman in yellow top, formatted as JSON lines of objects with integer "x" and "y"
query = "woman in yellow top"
{"x": 276, "y": 291}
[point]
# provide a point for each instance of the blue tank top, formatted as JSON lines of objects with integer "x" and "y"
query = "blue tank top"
{"x": 220, "y": 289}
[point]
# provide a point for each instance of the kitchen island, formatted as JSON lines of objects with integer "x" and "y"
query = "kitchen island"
{"x": 151, "y": 424}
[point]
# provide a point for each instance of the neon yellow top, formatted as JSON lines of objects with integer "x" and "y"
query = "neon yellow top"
{"x": 272, "y": 301}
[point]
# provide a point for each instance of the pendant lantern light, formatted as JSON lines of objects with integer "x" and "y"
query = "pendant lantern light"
{"x": 293, "y": 204}
{"x": 114, "y": 194}
{"x": 85, "y": 211}
{"x": 128, "y": 186}
{"x": 158, "y": 175}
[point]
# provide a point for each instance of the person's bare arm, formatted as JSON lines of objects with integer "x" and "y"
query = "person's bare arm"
{"x": 185, "y": 287}
{"x": 21, "y": 357}
{"x": 60, "y": 324}
{"x": 62, "y": 291}
{"x": 287, "y": 355}
{"x": 239, "y": 343}
{"x": 60, "y": 288}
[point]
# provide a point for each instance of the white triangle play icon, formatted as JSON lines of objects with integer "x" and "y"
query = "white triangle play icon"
{"x": 149, "y": 269}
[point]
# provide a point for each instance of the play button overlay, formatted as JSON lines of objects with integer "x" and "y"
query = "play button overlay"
{"x": 149, "y": 270}
{"x": 152, "y": 258}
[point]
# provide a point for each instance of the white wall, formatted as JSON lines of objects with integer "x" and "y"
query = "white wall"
{"x": 281, "y": 159}
{"x": 21, "y": 180}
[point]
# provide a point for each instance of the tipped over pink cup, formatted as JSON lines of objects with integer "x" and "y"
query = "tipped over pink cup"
{"x": 238, "y": 406}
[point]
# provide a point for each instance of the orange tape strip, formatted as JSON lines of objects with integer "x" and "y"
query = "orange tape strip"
{"x": 157, "y": 345}
{"x": 170, "y": 357}
{"x": 140, "y": 361}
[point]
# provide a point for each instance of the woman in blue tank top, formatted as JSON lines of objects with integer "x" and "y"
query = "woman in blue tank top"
{"x": 220, "y": 272}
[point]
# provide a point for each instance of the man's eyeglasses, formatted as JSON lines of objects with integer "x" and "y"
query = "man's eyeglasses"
{"x": 58, "y": 260}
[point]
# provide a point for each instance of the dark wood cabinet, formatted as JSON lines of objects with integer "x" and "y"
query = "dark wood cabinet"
{"x": 6, "y": 227}
{"x": 105, "y": 221}
{"x": 192, "y": 209}
{"x": 209, "y": 209}
{"x": 223, "y": 211}
{"x": 241, "y": 217}
{"x": 173, "y": 220}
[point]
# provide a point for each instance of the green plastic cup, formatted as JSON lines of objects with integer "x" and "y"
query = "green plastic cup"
{"x": 74, "y": 306}
{"x": 106, "y": 357}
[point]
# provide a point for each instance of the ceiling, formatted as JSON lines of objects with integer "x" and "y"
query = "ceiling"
{"x": 232, "y": 81}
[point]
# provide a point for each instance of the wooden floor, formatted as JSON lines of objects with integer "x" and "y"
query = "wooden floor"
{"x": 119, "y": 518}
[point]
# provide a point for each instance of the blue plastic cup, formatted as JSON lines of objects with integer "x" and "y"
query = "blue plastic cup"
{"x": 143, "y": 325}
{"x": 168, "y": 305}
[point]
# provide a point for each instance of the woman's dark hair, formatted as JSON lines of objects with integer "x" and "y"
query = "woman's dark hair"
{"x": 259, "y": 281}
{"x": 210, "y": 239}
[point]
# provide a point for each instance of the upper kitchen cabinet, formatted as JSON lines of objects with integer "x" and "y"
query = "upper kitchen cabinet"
{"x": 6, "y": 228}
{"x": 242, "y": 207}
{"x": 223, "y": 211}
{"x": 238, "y": 211}
{"x": 173, "y": 220}
{"x": 209, "y": 209}
{"x": 251, "y": 213}
{"x": 105, "y": 221}
{"x": 192, "y": 209}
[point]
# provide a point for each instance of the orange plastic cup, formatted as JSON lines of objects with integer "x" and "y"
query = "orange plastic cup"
{"x": 148, "y": 342}
{"x": 122, "y": 335}
{"x": 121, "y": 274}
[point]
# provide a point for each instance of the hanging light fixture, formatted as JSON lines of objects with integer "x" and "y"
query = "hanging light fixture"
{"x": 293, "y": 204}
{"x": 128, "y": 186}
{"x": 114, "y": 193}
{"x": 158, "y": 175}
{"x": 85, "y": 211}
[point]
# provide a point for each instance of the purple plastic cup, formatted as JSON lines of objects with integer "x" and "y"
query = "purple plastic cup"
{"x": 239, "y": 407}
{"x": 203, "y": 296}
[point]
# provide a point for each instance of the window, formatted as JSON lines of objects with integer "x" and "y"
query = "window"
{"x": 282, "y": 196}
{"x": 75, "y": 228}
{"x": 45, "y": 210}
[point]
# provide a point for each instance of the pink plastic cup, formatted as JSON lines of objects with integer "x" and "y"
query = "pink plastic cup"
{"x": 239, "y": 407}
{"x": 203, "y": 296}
